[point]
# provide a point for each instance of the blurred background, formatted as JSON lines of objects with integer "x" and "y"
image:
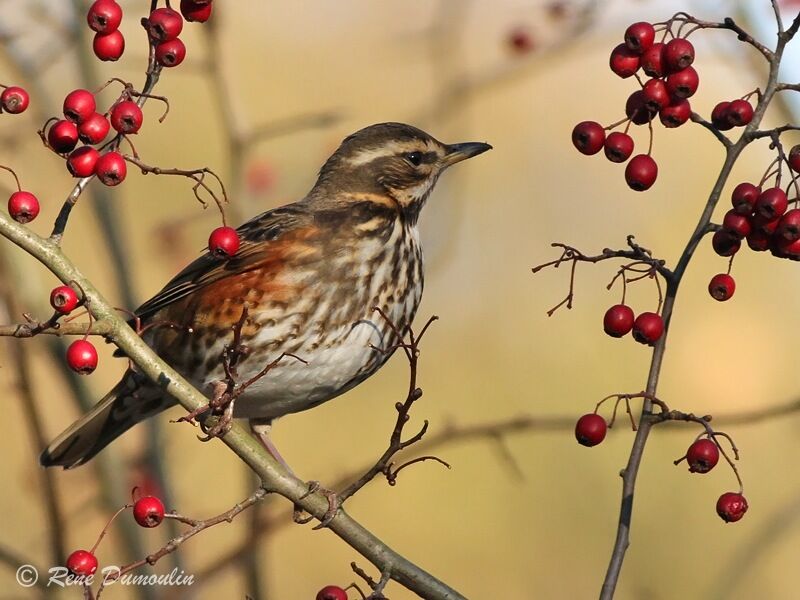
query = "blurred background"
{"x": 266, "y": 93}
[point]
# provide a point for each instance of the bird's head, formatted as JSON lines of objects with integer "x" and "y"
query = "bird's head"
{"x": 393, "y": 160}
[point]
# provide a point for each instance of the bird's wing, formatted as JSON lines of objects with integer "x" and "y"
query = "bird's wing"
{"x": 258, "y": 238}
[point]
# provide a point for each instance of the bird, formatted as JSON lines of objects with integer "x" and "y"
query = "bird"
{"x": 304, "y": 282}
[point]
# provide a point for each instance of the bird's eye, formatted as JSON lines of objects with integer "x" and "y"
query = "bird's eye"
{"x": 415, "y": 158}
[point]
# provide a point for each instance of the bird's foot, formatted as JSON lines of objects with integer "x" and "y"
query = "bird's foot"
{"x": 333, "y": 505}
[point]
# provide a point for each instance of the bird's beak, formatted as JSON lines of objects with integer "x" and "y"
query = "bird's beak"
{"x": 458, "y": 152}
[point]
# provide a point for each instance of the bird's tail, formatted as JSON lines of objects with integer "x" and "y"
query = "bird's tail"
{"x": 130, "y": 401}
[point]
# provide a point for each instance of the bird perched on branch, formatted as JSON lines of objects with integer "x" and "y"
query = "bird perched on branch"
{"x": 304, "y": 282}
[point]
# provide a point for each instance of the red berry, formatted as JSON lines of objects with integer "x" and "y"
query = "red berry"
{"x": 14, "y": 100}
{"x": 126, "y": 117}
{"x": 794, "y": 158}
{"x": 676, "y": 114}
{"x": 652, "y": 60}
{"x": 740, "y": 113}
{"x": 94, "y": 129}
{"x": 678, "y": 54}
{"x": 772, "y": 203}
{"x": 79, "y": 105}
{"x": 618, "y": 147}
{"x": 789, "y": 225}
{"x": 784, "y": 248}
{"x": 171, "y": 53}
{"x": 655, "y": 94}
{"x": 519, "y": 40}
{"x": 765, "y": 225}
{"x": 82, "y": 563}
{"x": 731, "y": 507}
{"x": 82, "y": 357}
{"x": 62, "y": 136}
{"x": 618, "y": 320}
{"x": 104, "y": 16}
{"x": 758, "y": 240}
{"x": 719, "y": 116}
{"x": 164, "y": 24}
{"x": 648, "y": 328}
{"x": 223, "y": 242}
{"x": 198, "y": 12}
{"x": 109, "y": 46}
{"x": 636, "y": 109}
{"x": 744, "y": 198}
{"x": 721, "y": 287}
{"x": 23, "y": 207}
{"x": 640, "y": 36}
{"x": 641, "y": 172}
{"x": 724, "y": 243}
{"x": 702, "y": 456}
{"x": 111, "y": 169}
{"x": 588, "y": 137}
{"x": 331, "y": 592}
{"x": 738, "y": 225}
{"x": 590, "y": 430}
{"x": 623, "y": 61}
{"x": 82, "y": 161}
{"x": 683, "y": 83}
{"x": 148, "y": 511}
{"x": 63, "y": 299}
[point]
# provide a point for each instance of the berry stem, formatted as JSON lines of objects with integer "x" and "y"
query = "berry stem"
{"x": 10, "y": 170}
{"x": 105, "y": 529}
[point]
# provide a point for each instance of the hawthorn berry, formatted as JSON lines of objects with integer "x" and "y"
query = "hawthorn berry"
{"x": 618, "y": 147}
{"x": 744, "y": 198}
{"x": 719, "y": 116}
{"x": 785, "y": 248}
{"x": 82, "y": 357}
{"x": 648, "y": 328}
{"x": 81, "y": 161}
{"x": 725, "y": 243}
{"x": 652, "y": 61}
{"x": 683, "y": 83}
{"x": 794, "y": 158}
{"x": 702, "y": 456}
{"x": 111, "y": 168}
{"x": 126, "y": 117}
{"x": 223, "y": 242}
{"x": 640, "y": 36}
{"x": 79, "y": 105}
{"x": 148, "y": 511}
{"x": 588, "y": 137}
{"x": 590, "y": 430}
{"x": 170, "y": 53}
{"x": 676, "y": 113}
{"x": 641, "y": 172}
{"x": 765, "y": 225}
{"x": 62, "y": 136}
{"x": 109, "y": 46}
{"x": 164, "y": 24}
{"x": 104, "y": 16}
{"x": 14, "y": 99}
{"x": 331, "y": 592}
{"x": 636, "y": 109}
{"x": 63, "y": 299}
{"x": 94, "y": 129}
{"x": 618, "y": 320}
{"x": 82, "y": 563}
{"x": 759, "y": 240}
{"x": 731, "y": 506}
{"x": 655, "y": 94}
{"x": 678, "y": 54}
{"x": 736, "y": 224}
{"x": 201, "y": 12}
{"x": 740, "y": 113}
{"x": 623, "y": 61}
{"x": 771, "y": 203}
{"x": 721, "y": 287}
{"x": 23, "y": 206}
{"x": 789, "y": 225}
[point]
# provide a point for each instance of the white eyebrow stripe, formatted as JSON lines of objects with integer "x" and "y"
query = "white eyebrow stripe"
{"x": 390, "y": 149}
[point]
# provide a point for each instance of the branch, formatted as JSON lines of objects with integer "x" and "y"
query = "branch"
{"x": 710, "y": 126}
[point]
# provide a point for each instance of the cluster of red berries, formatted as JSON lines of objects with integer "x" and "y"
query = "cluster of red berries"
{"x": 331, "y": 592}
{"x": 672, "y": 81}
{"x": 619, "y": 321}
{"x": 148, "y": 511}
{"x": 14, "y": 99}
